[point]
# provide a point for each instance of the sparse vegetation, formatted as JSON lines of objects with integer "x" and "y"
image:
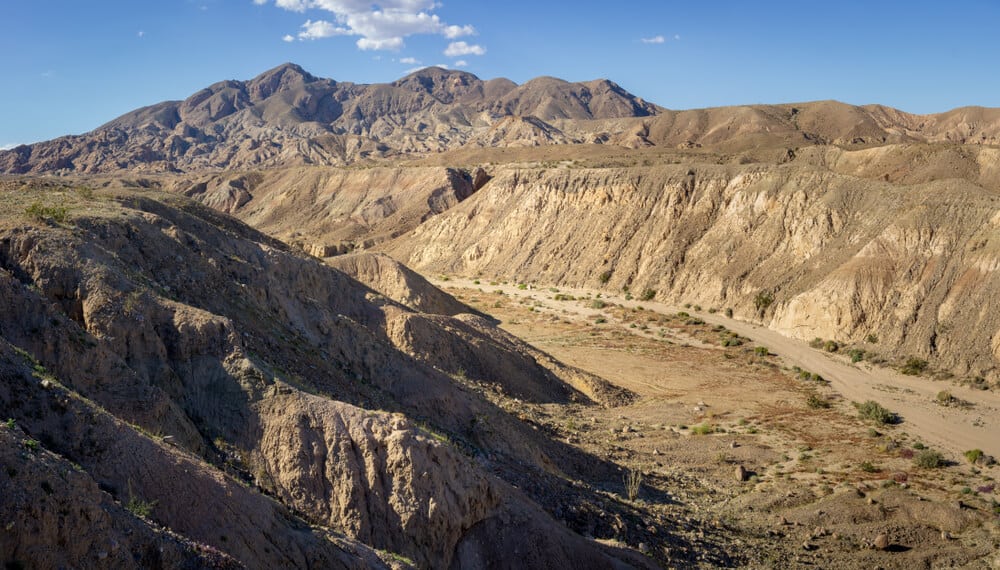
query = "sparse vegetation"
{"x": 633, "y": 482}
{"x": 872, "y": 338}
{"x": 604, "y": 277}
{"x": 856, "y": 354}
{"x": 42, "y": 212}
{"x": 817, "y": 402}
{"x": 872, "y": 410}
{"x": 703, "y": 429}
{"x": 914, "y": 366}
{"x": 974, "y": 455}
{"x": 929, "y": 459}
{"x": 762, "y": 301}
{"x": 647, "y": 295}
{"x": 761, "y": 351}
{"x": 868, "y": 467}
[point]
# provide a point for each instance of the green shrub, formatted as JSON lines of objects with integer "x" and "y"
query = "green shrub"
{"x": 647, "y": 295}
{"x": 762, "y": 301}
{"x": 945, "y": 397}
{"x": 729, "y": 313}
{"x": 974, "y": 455}
{"x": 831, "y": 346}
{"x": 598, "y": 304}
{"x": 874, "y": 411}
{"x": 856, "y": 354}
{"x": 761, "y": 351}
{"x": 702, "y": 429}
{"x": 867, "y": 467}
{"x": 816, "y": 343}
{"x": 872, "y": 338}
{"x": 929, "y": 459}
{"x": 914, "y": 366}
{"x": 604, "y": 277}
{"x": 41, "y": 212}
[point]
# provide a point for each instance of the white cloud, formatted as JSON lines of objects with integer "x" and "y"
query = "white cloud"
{"x": 409, "y": 60}
{"x": 288, "y": 38}
{"x": 141, "y": 34}
{"x": 382, "y": 25}
{"x": 9, "y": 146}
{"x": 461, "y": 63}
{"x": 654, "y": 40}
{"x": 461, "y": 48}
{"x": 677, "y": 37}
{"x": 320, "y": 29}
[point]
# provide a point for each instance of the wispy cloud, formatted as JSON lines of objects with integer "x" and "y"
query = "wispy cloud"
{"x": 461, "y": 63}
{"x": 141, "y": 34}
{"x": 654, "y": 40}
{"x": 409, "y": 60}
{"x": 288, "y": 38}
{"x": 9, "y": 146}
{"x": 381, "y": 26}
{"x": 456, "y": 49}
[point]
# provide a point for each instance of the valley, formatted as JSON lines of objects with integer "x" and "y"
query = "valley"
{"x": 447, "y": 322}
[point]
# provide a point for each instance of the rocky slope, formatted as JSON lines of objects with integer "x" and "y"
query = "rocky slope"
{"x": 269, "y": 407}
{"x": 822, "y": 246}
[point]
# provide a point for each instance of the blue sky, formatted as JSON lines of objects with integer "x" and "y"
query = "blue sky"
{"x": 71, "y": 65}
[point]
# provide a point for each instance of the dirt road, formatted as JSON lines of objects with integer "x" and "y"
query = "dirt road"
{"x": 952, "y": 429}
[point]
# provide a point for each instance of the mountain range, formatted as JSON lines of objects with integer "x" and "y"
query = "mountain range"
{"x": 286, "y": 116}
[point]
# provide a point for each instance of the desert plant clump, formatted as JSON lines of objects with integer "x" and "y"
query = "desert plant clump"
{"x": 868, "y": 467}
{"x": 702, "y": 429}
{"x": 929, "y": 459}
{"x": 914, "y": 366}
{"x": 817, "y": 402}
{"x": 40, "y": 212}
{"x": 729, "y": 312}
{"x": 761, "y": 351}
{"x": 872, "y": 410}
{"x": 856, "y": 354}
{"x": 974, "y": 455}
{"x": 604, "y": 277}
{"x": 647, "y": 295}
{"x": 633, "y": 482}
{"x": 762, "y": 301}
{"x": 831, "y": 346}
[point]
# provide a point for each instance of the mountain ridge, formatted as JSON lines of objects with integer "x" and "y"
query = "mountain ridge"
{"x": 286, "y": 116}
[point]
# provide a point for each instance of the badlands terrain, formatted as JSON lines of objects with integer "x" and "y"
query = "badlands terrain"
{"x": 455, "y": 323}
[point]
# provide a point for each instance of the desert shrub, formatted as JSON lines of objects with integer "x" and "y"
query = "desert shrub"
{"x": 761, "y": 351}
{"x": 872, "y": 410}
{"x": 929, "y": 459}
{"x": 729, "y": 313}
{"x": 732, "y": 341}
{"x": 867, "y": 467}
{"x": 974, "y": 455}
{"x": 914, "y": 366}
{"x": 647, "y": 295}
{"x": 762, "y": 301}
{"x": 872, "y": 338}
{"x": 598, "y": 304}
{"x": 604, "y": 277}
{"x": 696, "y": 307}
{"x": 945, "y": 397}
{"x": 683, "y": 315}
{"x": 816, "y": 343}
{"x": 831, "y": 346}
{"x": 522, "y": 286}
{"x": 600, "y": 320}
{"x": 702, "y": 429}
{"x": 817, "y": 402}
{"x": 856, "y": 354}
{"x": 633, "y": 482}
{"x": 41, "y": 212}
{"x": 140, "y": 508}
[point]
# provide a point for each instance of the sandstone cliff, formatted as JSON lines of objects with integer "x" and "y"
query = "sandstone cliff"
{"x": 843, "y": 256}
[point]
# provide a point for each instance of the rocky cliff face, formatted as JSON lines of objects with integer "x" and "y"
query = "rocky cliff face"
{"x": 249, "y": 398}
{"x": 842, "y": 256}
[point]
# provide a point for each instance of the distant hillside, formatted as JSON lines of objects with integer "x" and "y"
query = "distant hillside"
{"x": 286, "y": 116}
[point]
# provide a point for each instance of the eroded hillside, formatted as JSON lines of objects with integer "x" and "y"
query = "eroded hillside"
{"x": 263, "y": 404}
{"x": 905, "y": 269}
